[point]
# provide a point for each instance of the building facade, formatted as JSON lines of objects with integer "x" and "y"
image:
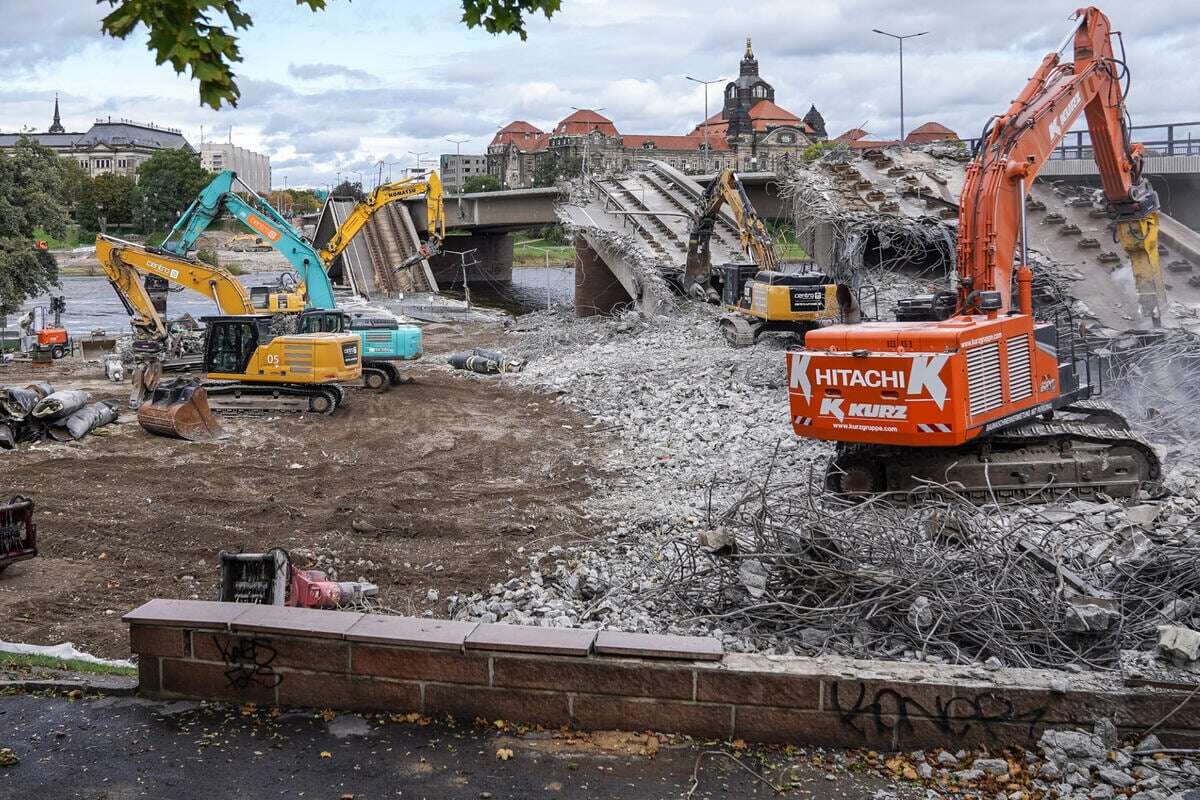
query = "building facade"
{"x": 750, "y": 133}
{"x": 116, "y": 146}
{"x": 455, "y": 169}
{"x": 253, "y": 168}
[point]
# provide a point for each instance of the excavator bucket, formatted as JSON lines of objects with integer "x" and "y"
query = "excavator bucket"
{"x": 179, "y": 409}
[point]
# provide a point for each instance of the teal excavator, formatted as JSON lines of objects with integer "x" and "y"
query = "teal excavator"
{"x": 384, "y": 340}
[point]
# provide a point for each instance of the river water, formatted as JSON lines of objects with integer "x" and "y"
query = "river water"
{"x": 92, "y": 305}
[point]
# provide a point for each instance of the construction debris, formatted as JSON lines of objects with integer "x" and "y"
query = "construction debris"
{"x": 485, "y": 362}
{"x": 36, "y": 412}
{"x": 18, "y": 533}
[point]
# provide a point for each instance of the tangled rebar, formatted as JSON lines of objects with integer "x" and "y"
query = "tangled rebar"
{"x": 785, "y": 566}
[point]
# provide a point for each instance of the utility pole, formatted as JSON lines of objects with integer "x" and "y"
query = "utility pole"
{"x": 417, "y": 156}
{"x": 705, "y": 84}
{"x": 900, "y": 39}
{"x": 458, "y": 143}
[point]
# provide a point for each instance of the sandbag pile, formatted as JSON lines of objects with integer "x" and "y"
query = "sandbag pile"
{"x": 36, "y": 412}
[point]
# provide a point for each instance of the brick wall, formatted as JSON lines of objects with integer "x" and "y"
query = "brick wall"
{"x": 610, "y": 680}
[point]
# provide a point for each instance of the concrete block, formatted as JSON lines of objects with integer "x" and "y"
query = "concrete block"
{"x": 417, "y": 664}
{"x": 1181, "y": 645}
{"x": 599, "y": 712}
{"x": 468, "y": 702}
{"x": 348, "y": 693}
{"x": 149, "y": 641}
{"x": 320, "y": 655}
{"x": 590, "y": 675}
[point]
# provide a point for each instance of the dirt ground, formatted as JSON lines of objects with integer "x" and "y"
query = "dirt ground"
{"x": 432, "y": 485}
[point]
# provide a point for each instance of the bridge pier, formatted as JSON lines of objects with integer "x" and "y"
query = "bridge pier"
{"x": 597, "y": 288}
{"x": 493, "y": 258}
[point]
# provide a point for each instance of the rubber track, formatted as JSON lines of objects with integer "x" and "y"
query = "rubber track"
{"x": 1034, "y": 434}
{"x": 333, "y": 392}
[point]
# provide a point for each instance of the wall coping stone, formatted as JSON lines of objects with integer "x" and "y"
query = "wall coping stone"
{"x": 294, "y": 621}
{"x": 530, "y": 639}
{"x": 651, "y": 645}
{"x": 439, "y": 634}
{"x": 189, "y": 613}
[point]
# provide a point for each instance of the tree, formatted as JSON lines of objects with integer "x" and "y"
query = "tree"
{"x": 480, "y": 183}
{"x": 554, "y": 167}
{"x": 31, "y": 191}
{"x": 167, "y": 184}
{"x": 183, "y": 32}
{"x": 75, "y": 183}
{"x": 304, "y": 201}
{"x": 348, "y": 189}
{"x": 109, "y": 196}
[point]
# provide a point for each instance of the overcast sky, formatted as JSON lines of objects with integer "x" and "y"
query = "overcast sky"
{"x": 371, "y": 80}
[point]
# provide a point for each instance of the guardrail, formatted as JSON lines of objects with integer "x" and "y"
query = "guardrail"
{"x": 1172, "y": 139}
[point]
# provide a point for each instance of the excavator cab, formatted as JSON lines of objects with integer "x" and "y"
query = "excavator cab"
{"x": 231, "y": 342}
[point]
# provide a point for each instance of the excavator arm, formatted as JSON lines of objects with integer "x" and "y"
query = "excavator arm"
{"x": 725, "y": 190}
{"x": 126, "y": 280}
{"x": 257, "y": 214}
{"x": 1016, "y": 147}
{"x": 215, "y": 283}
{"x": 384, "y": 195}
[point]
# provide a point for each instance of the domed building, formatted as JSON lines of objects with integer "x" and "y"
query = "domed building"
{"x": 750, "y": 133}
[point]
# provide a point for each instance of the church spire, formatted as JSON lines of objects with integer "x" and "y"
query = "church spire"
{"x": 56, "y": 126}
{"x": 749, "y": 48}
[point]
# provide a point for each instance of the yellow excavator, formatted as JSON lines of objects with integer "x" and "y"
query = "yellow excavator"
{"x": 383, "y": 195}
{"x": 759, "y": 296}
{"x": 249, "y": 366}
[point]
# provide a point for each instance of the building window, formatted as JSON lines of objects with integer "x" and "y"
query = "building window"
{"x": 647, "y": 145}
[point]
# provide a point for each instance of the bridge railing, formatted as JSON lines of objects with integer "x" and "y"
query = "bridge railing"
{"x": 1172, "y": 139}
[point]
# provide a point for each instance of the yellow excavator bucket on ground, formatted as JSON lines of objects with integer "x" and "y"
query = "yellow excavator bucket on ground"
{"x": 179, "y": 409}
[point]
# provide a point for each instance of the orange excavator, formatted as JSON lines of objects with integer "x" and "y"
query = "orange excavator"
{"x": 968, "y": 389}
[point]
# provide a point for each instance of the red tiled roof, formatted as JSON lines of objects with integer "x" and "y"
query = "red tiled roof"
{"x": 852, "y": 135}
{"x": 764, "y": 114}
{"x": 521, "y": 134}
{"x": 930, "y": 132}
{"x": 692, "y": 141}
{"x": 585, "y": 121}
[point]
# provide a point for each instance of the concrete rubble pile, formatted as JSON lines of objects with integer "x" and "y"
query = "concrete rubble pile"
{"x": 715, "y": 486}
{"x": 1067, "y": 764}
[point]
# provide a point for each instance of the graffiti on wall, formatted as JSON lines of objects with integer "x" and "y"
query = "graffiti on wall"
{"x": 248, "y": 663}
{"x": 890, "y": 710}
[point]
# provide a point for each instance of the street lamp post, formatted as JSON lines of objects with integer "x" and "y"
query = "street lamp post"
{"x": 585, "y": 136}
{"x": 458, "y": 143}
{"x": 705, "y": 84}
{"x": 900, "y": 39}
{"x": 417, "y": 156}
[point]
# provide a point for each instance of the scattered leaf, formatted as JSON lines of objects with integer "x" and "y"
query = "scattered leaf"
{"x": 504, "y": 753}
{"x": 326, "y": 754}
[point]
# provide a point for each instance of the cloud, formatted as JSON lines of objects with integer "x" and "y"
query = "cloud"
{"x": 40, "y": 31}
{"x": 404, "y": 86}
{"x": 314, "y": 72}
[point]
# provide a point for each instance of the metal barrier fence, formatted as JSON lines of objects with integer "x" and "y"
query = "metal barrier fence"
{"x": 1172, "y": 139}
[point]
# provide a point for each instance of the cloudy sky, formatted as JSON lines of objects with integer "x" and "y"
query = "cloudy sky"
{"x": 372, "y": 80}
